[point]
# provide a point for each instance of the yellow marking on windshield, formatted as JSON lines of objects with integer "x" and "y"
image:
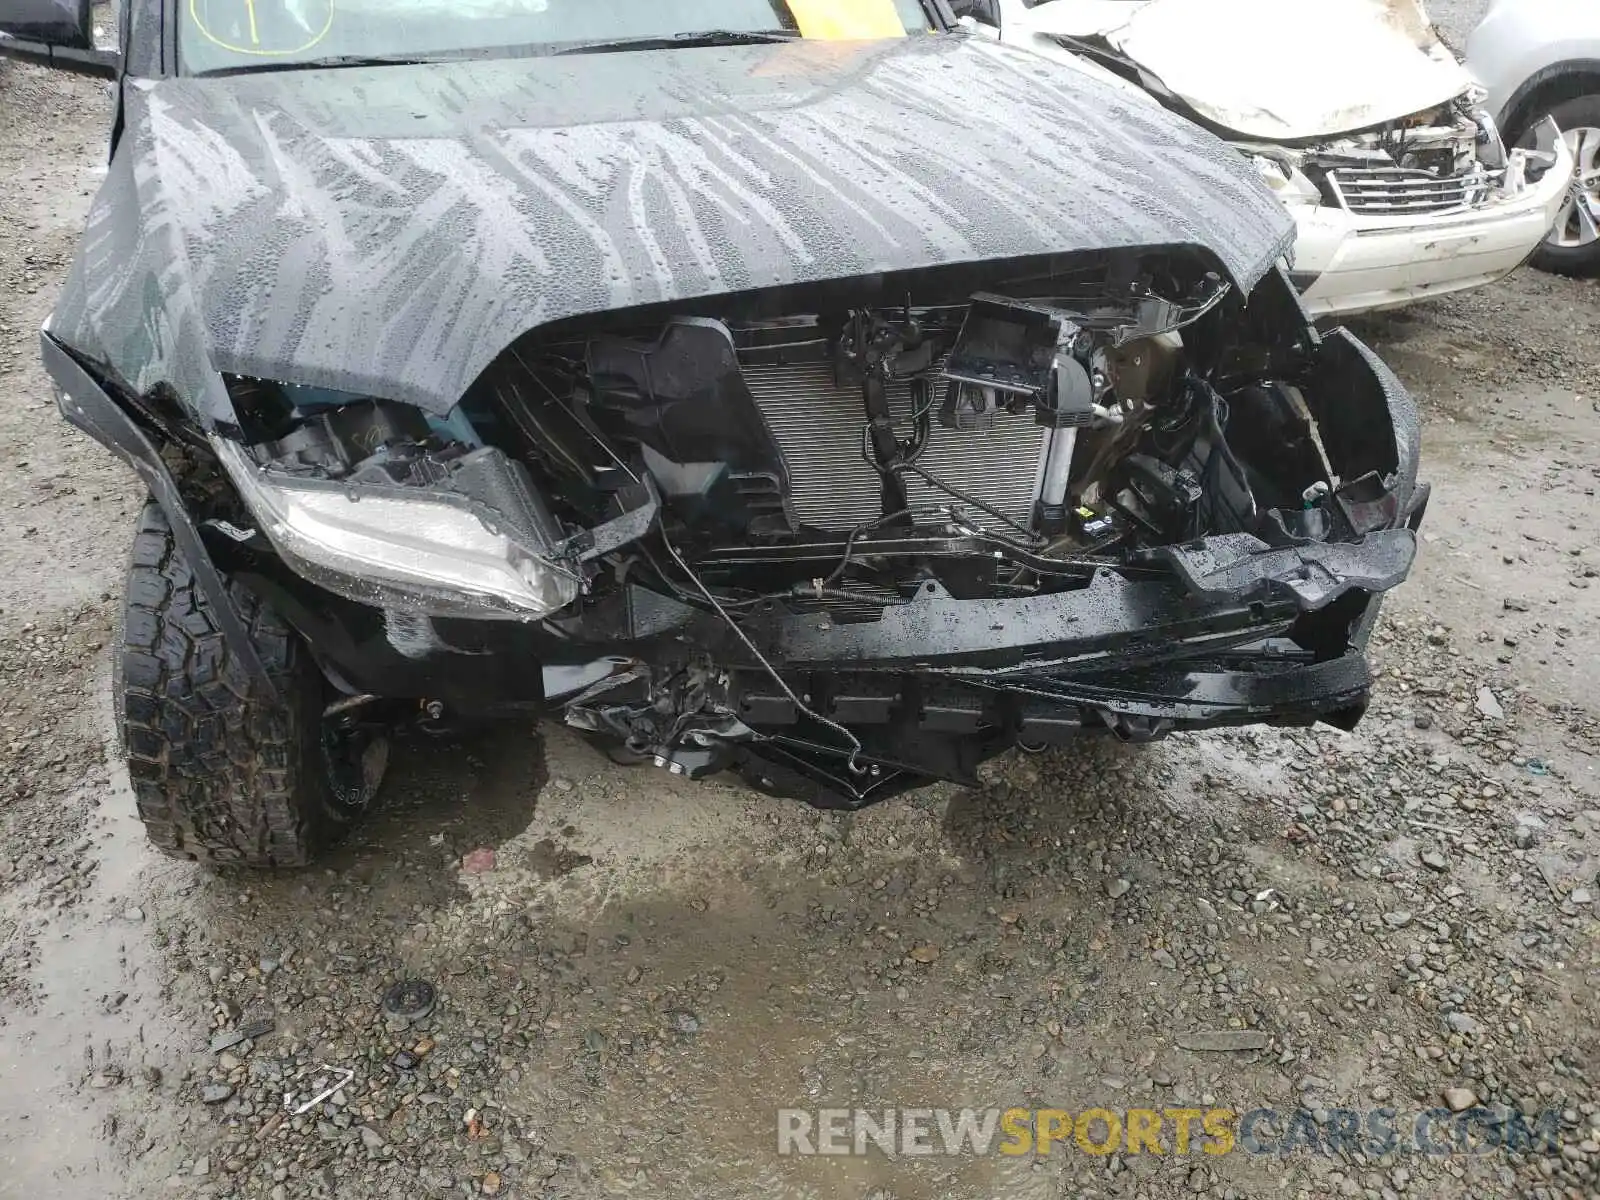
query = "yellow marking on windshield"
{"x": 297, "y": 41}
{"x": 847, "y": 20}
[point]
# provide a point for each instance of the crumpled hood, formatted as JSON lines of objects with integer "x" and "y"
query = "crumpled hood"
{"x": 1276, "y": 70}
{"x": 390, "y": 230}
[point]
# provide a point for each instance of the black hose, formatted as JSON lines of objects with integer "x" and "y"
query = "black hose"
{"x": 854, "y": 767}
{"x": 933, "y": 480}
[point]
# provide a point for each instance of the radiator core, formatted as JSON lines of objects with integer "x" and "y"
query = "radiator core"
{"x": 818, "y": 425}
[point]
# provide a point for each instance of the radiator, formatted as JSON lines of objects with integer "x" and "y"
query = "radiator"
{"x": 818, "y": 426}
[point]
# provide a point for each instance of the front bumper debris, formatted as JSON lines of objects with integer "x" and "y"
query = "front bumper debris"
{"x": 1348, "y": 262}
{"x": 1239, "y": 565}
{"x": 937, "y": 684}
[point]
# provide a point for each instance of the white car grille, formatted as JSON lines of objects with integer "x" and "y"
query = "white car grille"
{"x": 818, "y": 425}
{"x": 1398, "y": 192}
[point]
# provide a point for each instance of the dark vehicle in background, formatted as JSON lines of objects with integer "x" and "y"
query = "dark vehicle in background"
{"x": 791, "y": 390}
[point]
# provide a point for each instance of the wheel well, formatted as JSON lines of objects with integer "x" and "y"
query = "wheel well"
{"x": 1546, "y": 89}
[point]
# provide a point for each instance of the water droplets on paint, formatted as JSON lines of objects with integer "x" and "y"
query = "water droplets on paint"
{"x": 315, "y": 251}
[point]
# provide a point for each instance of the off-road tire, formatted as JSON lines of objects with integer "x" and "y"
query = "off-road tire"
{"x": 223, "y": 772}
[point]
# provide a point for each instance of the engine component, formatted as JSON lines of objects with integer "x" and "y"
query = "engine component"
{"x": 969, "y": 409}
{"x": 1442, "y": 161}
{"x": 684, "y": 400}
{"x": 1050, "y": 510}
{"x": 817, "y": 421}
{"x": 1144, "y": 368}
{"x": 1070, "y": 406}
{"x": 1162, "y": 498}
{"x": 1006, "y": 345}
{"x": 871, "y": 350}
{"x": 1095, "y": 528}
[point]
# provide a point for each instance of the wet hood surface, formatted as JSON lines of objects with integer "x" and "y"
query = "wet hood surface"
{"x": 390, "y": 230}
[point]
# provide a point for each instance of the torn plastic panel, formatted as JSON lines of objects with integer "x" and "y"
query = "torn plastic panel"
{"x": 1240, "y": 566}
{"x": 685, "y": 401}
{"x": 85, "y": 402}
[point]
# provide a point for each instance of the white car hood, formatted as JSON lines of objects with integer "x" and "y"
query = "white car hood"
{"x": 1276, "y": 70}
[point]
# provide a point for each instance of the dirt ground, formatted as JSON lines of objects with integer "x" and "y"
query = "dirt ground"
{"x": 646, "y": 970}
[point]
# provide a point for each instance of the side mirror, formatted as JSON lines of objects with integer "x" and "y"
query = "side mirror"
{"x": 53, "y": 33}
{"x": 54, "y": 22}
{"x": 984, "y": 12}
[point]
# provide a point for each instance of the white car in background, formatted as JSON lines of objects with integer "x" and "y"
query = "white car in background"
{"x": 1355, "y": 113}
{"x": 1541, "y": 58}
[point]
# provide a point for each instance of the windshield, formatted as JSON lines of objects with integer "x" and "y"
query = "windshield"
{"x": 230, "y": 35}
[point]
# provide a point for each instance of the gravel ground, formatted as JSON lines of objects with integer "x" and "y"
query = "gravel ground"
{"x": 633, "y": 972}
{"x": 1456, "y": 18}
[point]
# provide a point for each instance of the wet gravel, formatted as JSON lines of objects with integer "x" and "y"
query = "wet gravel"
{"x": 1366, "y": 907}
{"x": 633, "y": 973}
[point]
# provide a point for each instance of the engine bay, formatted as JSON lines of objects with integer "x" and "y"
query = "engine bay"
{"x": 1012, "y": 443}
{"x": 847, "y": 538}
{"x": 1447, "y": 159}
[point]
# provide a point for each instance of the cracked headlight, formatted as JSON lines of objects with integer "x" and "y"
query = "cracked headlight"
{"x": 1287, "y": 182}
{"x": 444, "y": 553}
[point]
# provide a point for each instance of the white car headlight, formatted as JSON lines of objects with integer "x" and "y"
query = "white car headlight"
{"x": 1288, "y": 183}
{"x": 433, "y": 552}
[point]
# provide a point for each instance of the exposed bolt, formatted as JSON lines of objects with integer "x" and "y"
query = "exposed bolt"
{"x": 434, "y": 709}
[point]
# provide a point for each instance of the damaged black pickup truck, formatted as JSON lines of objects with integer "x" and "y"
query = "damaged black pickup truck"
{"x": 838, "y": 413}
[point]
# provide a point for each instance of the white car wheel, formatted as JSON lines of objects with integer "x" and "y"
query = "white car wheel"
{"x": 1579, "y": 222}
{"x": 1573, "y": 246}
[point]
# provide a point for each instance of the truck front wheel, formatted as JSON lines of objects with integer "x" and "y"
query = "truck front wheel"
{"x": 222, "y": 771}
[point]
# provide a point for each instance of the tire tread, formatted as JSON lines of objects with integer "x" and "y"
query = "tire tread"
{"x": 220, "y": 772}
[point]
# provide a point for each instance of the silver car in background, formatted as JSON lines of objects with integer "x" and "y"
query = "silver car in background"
{"x": 1540, "y": 58}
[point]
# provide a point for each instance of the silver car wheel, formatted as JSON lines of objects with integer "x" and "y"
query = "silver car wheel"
{"x": 1578, "y": 223}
